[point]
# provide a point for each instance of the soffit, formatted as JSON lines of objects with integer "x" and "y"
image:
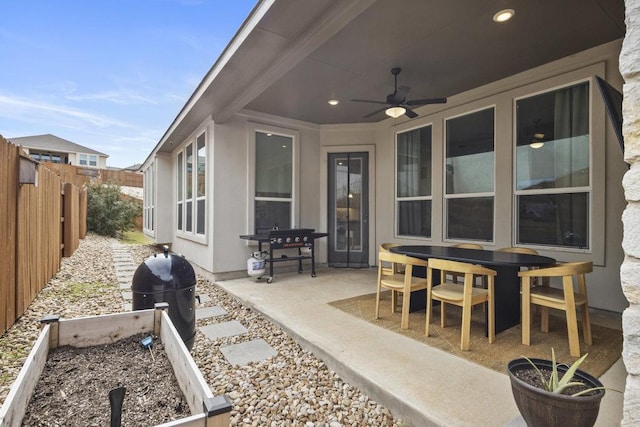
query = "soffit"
{"x": 300, "y": 54}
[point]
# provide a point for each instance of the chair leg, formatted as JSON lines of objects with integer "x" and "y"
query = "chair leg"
{"x": 428, "y": 319}
{"x": 394, "y": 300}
{"x": 466, "y": 326}
{"x": 572, "y": 332}
{"x": 526, "y": 311}
{"x": 586, "y": 325}
{"x": 443, "y": 314}
{"x": 544, "y": 318}
{"x": 492, "y": 320}
{"x": 405, "y": 310}
{"x": 378, "y": 301}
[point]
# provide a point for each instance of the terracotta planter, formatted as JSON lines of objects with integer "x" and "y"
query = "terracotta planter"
{"x": 539, "y": 407}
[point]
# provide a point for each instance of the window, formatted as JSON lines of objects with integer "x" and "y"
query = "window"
{"x": 200, "y": 184}
{"x": 88, "y": 160}
{"x": 413, "y": 182}
{"x": 273, "y": 198}
{"x": 553, "y": 176}
{"x": 180, "y": 183}
{"x": 469, "y": 191}
{"x": 45, "y": 157}
{"x": 191, "y": 169}
{"x": 149, "y": 197}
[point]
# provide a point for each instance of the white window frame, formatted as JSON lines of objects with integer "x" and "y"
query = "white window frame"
{"x": 446, "y": 197}
{"x": 589, "y": 190}
{"x": 181, "y": 204}
{"x": 88, "y": 159}
{"x": 251, "y": 173}
{"x": 413, "y": 198}
{"x": 149, "y": 199}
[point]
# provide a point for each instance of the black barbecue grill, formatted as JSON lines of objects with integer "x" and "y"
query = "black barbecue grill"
{"x": 300, "y": 238}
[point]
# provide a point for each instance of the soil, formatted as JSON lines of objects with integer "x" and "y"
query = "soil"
{"x": 73, "y": 389}
{"x": 531, "y": 377}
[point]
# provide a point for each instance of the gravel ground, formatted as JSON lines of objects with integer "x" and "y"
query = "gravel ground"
{"x": 293, "y": 389}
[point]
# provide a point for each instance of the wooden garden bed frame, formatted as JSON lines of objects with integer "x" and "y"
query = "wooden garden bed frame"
{"x": 206, "y": 409}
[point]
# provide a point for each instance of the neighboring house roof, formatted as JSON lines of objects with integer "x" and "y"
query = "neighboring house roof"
{"x": 133, "y": 168}
{"x": 53, "y": 143}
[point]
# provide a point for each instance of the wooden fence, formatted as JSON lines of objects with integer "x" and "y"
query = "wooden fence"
{"x": 38, "y": 225}
{"x": 79, "y": 175}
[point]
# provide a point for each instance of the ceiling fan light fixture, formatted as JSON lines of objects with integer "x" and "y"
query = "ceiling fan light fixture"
{"x": 333, "y": 102}
{"x": 537, "y": 141}
{"x": 504, "y": 15}
{"x": 395, "y": 112}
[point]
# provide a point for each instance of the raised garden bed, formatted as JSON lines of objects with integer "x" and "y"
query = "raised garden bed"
{"x": 205, "y": 409}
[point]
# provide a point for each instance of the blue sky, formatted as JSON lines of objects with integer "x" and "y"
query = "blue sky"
{"x": 107, "y": 74}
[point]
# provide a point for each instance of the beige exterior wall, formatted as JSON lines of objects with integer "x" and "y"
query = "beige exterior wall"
{"x": 608, "y": 166}
{"x": 229, "y": 174}
{"x": 630, "y": 271}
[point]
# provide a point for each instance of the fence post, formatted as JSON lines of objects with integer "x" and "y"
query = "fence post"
{"x": 71, "y": 217}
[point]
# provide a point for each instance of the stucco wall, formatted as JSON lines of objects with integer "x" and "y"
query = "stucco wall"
{"x": 228, "y": 177}
{"x": 630, "y": 271}
{"x": 608, "y": 166}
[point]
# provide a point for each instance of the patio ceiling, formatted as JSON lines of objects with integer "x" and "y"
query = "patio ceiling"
{"x": 291, "y": 57}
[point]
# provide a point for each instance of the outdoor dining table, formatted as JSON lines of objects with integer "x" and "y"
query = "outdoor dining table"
{"x": 505, "y": 264}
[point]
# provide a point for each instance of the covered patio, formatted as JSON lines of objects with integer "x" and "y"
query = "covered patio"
{"x": 421, "y": 385}
{"x": 476, "y": 170}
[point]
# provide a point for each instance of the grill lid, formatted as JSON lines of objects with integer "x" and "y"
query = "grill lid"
{"x": 167, "y": 271}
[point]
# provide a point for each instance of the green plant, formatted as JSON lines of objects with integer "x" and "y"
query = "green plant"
{"x": 108, "y": 212}
{"x": 557, "y": 384}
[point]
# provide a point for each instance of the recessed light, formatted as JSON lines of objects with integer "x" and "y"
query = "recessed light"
{"x": 333, "y": 102}
{"x": 504, "y": 15}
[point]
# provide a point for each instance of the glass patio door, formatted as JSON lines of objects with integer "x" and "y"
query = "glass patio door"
{"x": 348, "y": 210}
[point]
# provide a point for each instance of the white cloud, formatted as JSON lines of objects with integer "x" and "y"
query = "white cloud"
{"x": 22, "y": 108}
{"x": 121, "y": 98}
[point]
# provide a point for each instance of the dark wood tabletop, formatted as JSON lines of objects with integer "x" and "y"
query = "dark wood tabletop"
{"x": 476, "y": 256}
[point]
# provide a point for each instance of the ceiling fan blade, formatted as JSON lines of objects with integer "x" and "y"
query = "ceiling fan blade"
{"x": 375, "y": 112}
{"x": 369, "y": 101}
{"x": 410, "y": 113}
{"x": 426, "y": 101}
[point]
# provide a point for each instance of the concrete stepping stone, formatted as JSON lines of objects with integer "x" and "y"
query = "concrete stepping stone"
{"x": 127, "y": 296}
{"x": 247, "y": 352}
{"x": 204, "y": 313}
{"x": 224, "y": 329}
{"x": 204, "y": 299}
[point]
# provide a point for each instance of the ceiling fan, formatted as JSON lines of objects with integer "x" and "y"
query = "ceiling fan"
{"x": 396, "y": 103}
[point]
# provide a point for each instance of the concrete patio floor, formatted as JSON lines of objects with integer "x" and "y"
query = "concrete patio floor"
{"x": 419, "y": 384}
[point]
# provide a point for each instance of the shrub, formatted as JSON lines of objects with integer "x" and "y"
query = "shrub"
{"x": 108, "y": 213}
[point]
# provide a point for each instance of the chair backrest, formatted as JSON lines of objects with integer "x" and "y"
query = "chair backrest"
{"x": 400, "y": 259}
{"x": 566, "y": 269}
{"x": 518, "y": 250}
{"x": 386, "y": 246}
{"x": 458, "y": 267}
{"x": 468, "y": 246}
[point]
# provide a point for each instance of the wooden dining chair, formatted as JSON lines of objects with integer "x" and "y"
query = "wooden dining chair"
{"x": 391, "y": 268}
{"x": 463, "y": 295}
{"x": 536, "y": 281}
{"x": 458, "y": 277}
{"x": 403, "y": 283}
{"x": 567, "y": 299}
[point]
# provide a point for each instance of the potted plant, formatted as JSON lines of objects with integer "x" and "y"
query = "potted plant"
{"x": 551, "y": 394}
